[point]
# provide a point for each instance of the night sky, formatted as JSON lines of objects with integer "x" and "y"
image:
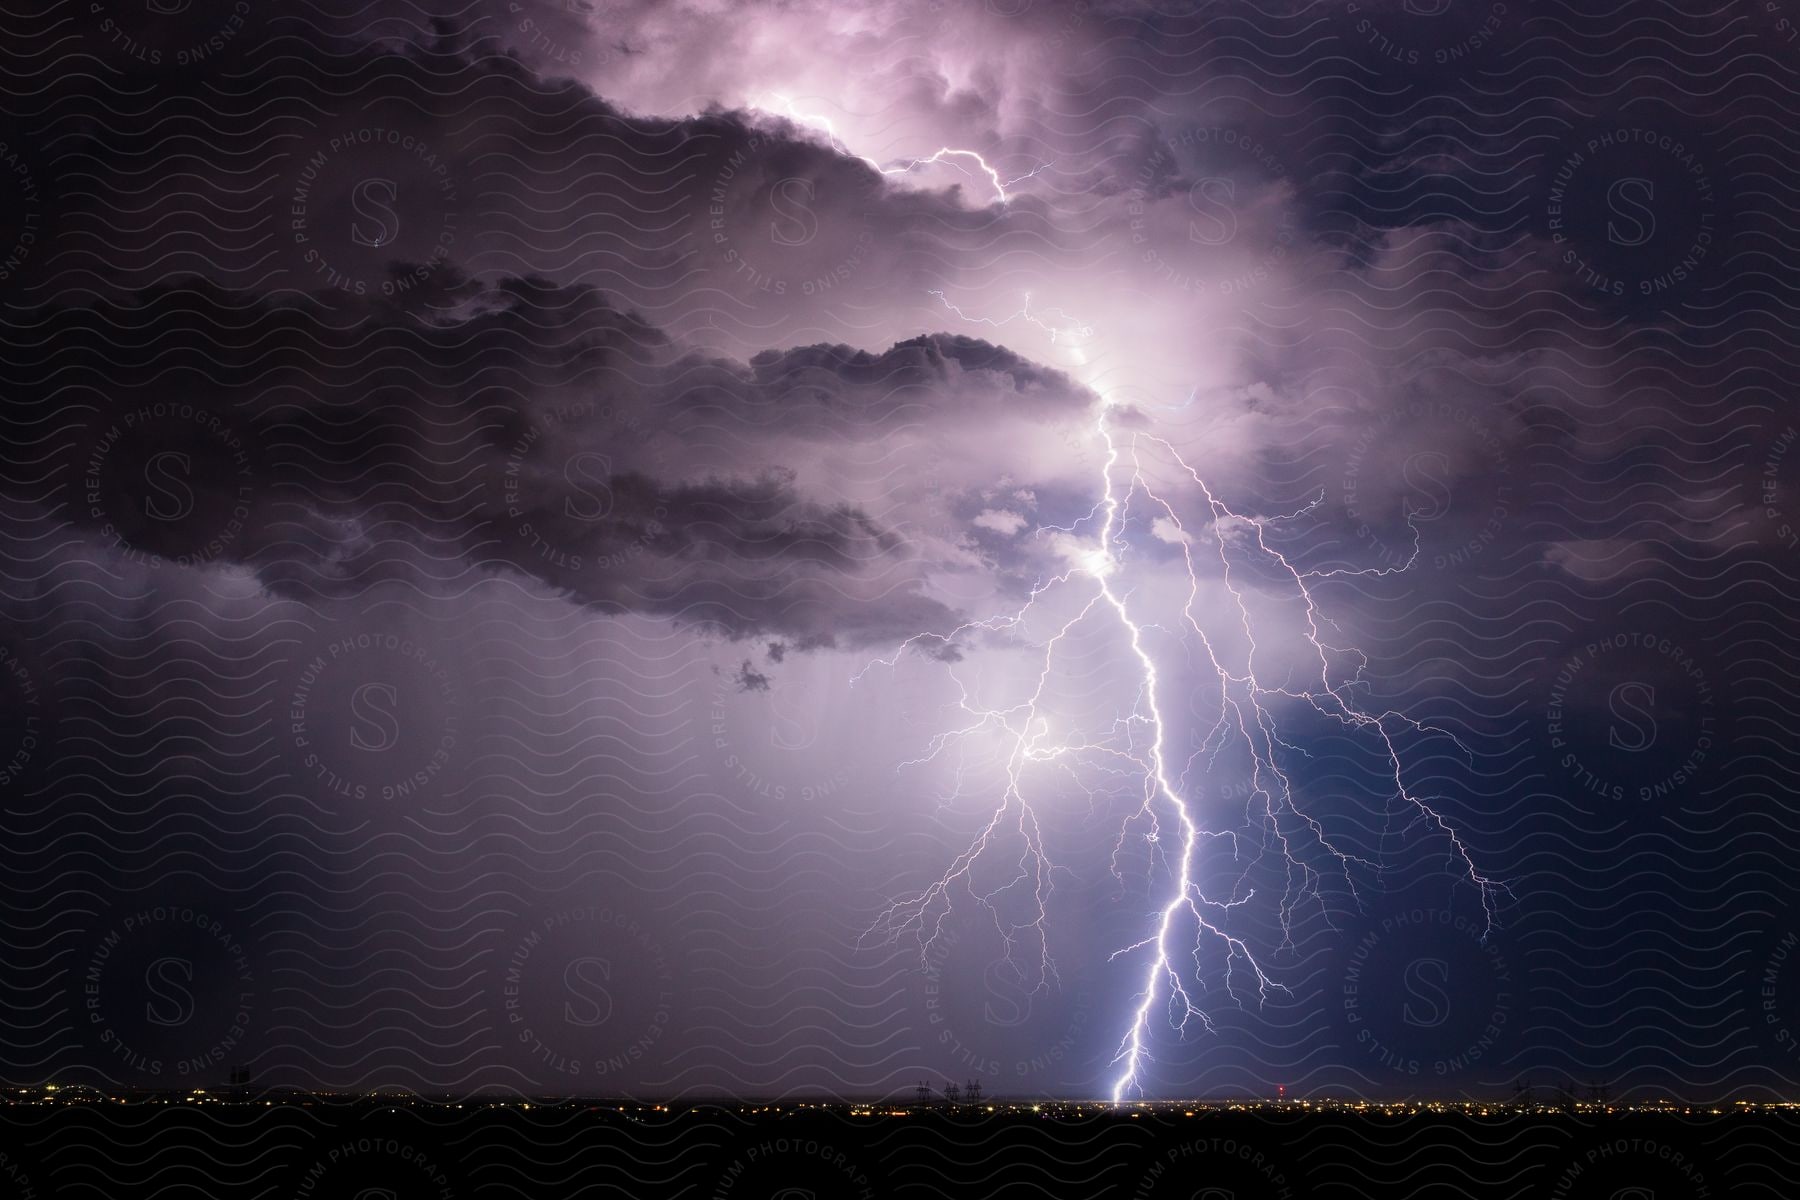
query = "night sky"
{"x": 703, "y": 547}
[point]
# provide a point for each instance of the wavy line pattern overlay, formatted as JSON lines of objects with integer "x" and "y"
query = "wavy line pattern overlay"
{"x": 1192, "y": 596}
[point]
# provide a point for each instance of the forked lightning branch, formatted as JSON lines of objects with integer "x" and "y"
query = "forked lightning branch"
{"x": 1097, "y": 587}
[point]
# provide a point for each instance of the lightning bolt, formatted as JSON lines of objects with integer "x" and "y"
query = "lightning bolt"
{"x": 904, "y": 166}
{"x": 1067, "y": 325}
{"x": 1137, "y": 743}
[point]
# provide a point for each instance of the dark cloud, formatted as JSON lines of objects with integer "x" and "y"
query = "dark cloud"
{"x": 748, "y": 679}
{"x": 332, "y": 442}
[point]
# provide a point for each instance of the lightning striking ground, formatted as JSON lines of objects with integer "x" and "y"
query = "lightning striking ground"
{"x": 1247, "y": 711}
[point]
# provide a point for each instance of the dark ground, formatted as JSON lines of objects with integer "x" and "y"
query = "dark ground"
{"x": 398, "y": 1150}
